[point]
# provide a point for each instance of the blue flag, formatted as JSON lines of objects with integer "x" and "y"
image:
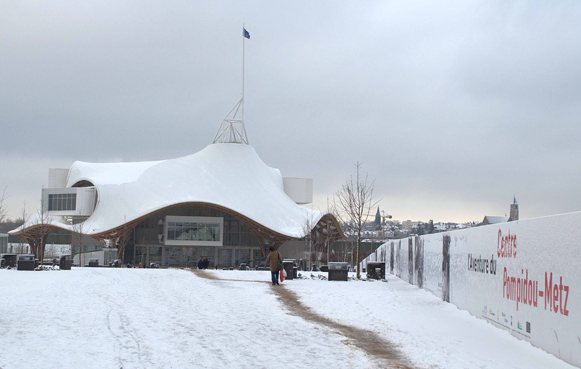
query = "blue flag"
{"x": 246, "y": 34}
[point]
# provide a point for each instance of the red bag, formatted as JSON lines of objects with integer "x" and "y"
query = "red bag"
{"x": 281, "y": 276}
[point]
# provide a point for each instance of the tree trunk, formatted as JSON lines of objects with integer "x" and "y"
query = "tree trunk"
{"x": 328, "y": 247}
{"x": 358, "y": 254}
{"x": 42, "y": 242}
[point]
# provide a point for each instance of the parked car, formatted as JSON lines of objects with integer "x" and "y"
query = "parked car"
{"x": 93, "y": 263}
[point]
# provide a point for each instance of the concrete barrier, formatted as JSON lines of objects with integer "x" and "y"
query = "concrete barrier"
{"x": 520, "y": 276}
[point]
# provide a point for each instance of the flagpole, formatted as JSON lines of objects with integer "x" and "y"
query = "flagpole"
{"x": 243, "y": 69}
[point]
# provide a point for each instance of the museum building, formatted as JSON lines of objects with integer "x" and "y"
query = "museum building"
{"x": 222, "y": 203}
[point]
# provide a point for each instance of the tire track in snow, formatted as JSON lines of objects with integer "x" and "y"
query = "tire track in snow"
{"x": 122, "y": 329}
{"x": 386, "y": 353}
{"x": 128, "y": 343}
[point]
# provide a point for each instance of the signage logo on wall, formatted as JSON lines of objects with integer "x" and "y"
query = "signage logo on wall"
{"x": 505, "y": 318}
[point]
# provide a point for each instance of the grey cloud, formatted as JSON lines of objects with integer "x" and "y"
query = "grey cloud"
{"x": 452, "y": 107}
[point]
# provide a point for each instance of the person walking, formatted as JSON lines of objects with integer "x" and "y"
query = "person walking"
{"x": 273, "y": 260}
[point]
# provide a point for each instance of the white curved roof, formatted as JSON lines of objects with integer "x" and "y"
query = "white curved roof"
{"x": 224, "y": 174}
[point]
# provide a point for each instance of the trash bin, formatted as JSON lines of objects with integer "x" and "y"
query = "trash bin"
{"x": 338, "y": 271}
{"x": 9, "y": 260}
{"x": 288, "y": 265}
{"x": 26, "y": 262}
{"x": 94, "y": 263}
{"x": 65, "y": 262}
{"x": 376, "y": 270}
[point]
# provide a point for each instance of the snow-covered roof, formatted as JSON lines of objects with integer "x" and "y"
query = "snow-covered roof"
{"x": 488, "y": 219}
{"x": 227, "y": 175}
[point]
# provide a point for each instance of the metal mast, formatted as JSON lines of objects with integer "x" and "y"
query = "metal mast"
{"x": 232, "y": 128}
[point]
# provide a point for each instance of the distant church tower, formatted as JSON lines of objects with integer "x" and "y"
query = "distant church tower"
{"x": 513, "y": 211}
{"x": 377, "y": 217}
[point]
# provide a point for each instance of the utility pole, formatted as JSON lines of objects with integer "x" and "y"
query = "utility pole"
{"x": 384, "y": 216}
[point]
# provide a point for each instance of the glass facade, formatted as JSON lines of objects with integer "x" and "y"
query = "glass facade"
{"x": 140, "y": 255}
{"x": 241, "y": 256}
{"x": 155, "y": 254}
{"x": 208, "y": 253}
{"x": 193, "y": 231}
{"x": 182, "y": 235}
{"x": 225, "y": 256}
{"x": 62, "y": 201}
{"x": 181, "y": 256}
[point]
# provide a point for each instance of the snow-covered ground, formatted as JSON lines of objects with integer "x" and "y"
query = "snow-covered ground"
{"x": 147, "y": 318}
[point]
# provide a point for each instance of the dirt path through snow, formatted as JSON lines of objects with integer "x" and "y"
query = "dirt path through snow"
{"x": 387, "y": 355}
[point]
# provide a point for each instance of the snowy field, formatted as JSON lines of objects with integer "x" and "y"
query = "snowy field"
{"x": 147, "y": 318}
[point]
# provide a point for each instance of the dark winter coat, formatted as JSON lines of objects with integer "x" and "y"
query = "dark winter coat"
{"x": 272, "y": 261}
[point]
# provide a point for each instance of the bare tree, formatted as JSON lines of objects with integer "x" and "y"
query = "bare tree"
{"x": 36, "y": 231}
{"x": 44, "y": 229}
{"x": 24, "y": 219}
{"x": 307, "y": 230}
{"x": 77, "y": 240}
{"x": 327, "y": 243}
{"x": 3, "y": 209}
{"x": 353, "y": 204}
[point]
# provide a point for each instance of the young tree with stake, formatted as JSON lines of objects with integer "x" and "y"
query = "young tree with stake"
{"x": 353, "y": 203}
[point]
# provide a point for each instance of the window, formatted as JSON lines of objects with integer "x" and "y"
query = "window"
{"x": 62, "y": 201}
{"x": 194, "y": 231}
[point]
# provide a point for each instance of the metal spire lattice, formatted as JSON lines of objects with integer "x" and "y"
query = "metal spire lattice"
{"x": 232, "y": 128}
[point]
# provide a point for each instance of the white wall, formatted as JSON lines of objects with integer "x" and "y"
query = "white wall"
{"x": 300, "y": 190}
{"x": 85, "y": 200}
{"x": 57, "y": 177}
{"x": 488, "y": 264}
{"x": 105, "y": 256}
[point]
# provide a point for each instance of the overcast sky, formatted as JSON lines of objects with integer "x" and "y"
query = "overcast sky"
{"x": 452, "y": 107}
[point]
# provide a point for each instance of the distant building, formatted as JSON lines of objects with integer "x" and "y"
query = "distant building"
{"x": 408, "y": 224}
{"x": 489, "y": 219}
{"x": 378, "y": 218}
{"x": 3, "y": 243}
{"x": 513, "y": 211}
